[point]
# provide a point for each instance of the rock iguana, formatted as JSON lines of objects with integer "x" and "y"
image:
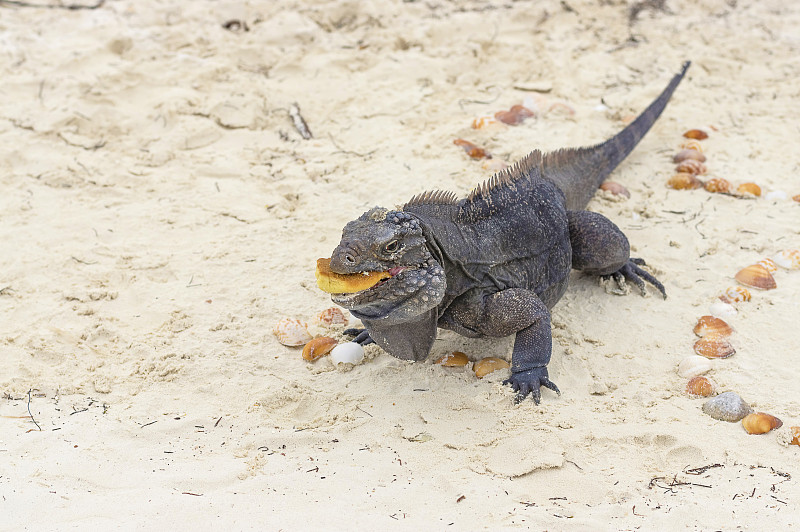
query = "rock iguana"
{"x": 494, "y": 263}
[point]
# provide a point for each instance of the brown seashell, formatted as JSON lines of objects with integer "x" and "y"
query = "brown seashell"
{"x": 455, "y": 359}
{"x": 748, "y": 189}
{"x": 684, "y": 181}
{"x": 714, "y": 347}
{"x": 795, "y": 436}
{"x": 473, "y": 150}
{"x": 514, "y": 116}
{"x": 689, "y": 154}
{"x": 318, "y": 348}
{"x": 735, "y": 294}
{"x": 615, "y": 188}
{"x": 796, "y": 198}
{"x": 756, "y": 276}
{"x": 692, "y": 144}
{"x": 697, "y": 134}
{"x": 291, "y": 332}
{"x": 711, "y": 326}
{"x": 487, "y": 365}
{"x": 690, "y": 166}
{"x": 701, "y": 386}
{"x": 331, "y": 316}
{"x": 719, "y": 185}
{"x": 760, "y": 423}
{"x": 788, "y": 258}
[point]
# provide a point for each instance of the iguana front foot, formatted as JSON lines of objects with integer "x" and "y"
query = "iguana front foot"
{"x": 632, "y": 272}
{"x": 362, "y": 337}
{"x": 529, "y": 381}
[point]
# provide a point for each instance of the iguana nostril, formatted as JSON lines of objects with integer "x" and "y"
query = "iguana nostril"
{"x": 349, "y": 259}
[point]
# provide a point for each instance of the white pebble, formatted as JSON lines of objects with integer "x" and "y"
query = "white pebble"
{"x": 773, "y": 195}
{"x": 722, "y": 310}
{"x": 347, "y": 353}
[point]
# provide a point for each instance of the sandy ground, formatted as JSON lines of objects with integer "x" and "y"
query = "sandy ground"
{"x": 160, "y": 213}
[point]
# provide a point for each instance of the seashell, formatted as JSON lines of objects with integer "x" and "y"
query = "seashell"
{"x": 483, "y": 122}
{"x": 514, "y": 116}
{"x": 684, "y": 181}
{"x": 711, "y": 326}
{"x": 776, "y": 195}
{"x": 768, "y": 264}
{"x": 788, "y": 259}
{"x": 795, "y": 436}
{"x": 748, "y": 189}
{"x": 347, "y": 353}
{"x": 760, "y": 423}
{"x": 291, "y": 332}
{"x": 796, "y": 197}
{"x": 735, "y": 294}
{"x": 720, "y": 309}
{"x": 694, "y": 365}
{"x": 690, "y": 166}
{"x": 318, "y": 348}
{"x": 697, "y": 134}
{"x": 719, "y": 185}
{"x": 689, "y": 154}
{"x": 756, "y": 276}
{"x": 727, "y": 406}
{"x": 331, "y": 316}
{"x": 714, "y": 347}
{"x": 487, "y": 365}
{"x": 692, "y": 144}
{"x": 615, "y": 188}
{"x": 473, "y": 150}
{"x": 701, "y": 387}
{"x": 453, "y": 360}
{"x": 494, "y": 165}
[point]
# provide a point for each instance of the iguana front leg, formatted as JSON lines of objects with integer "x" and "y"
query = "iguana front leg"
{"x": 520, "y": 311}
{"x": 599, "y": 247}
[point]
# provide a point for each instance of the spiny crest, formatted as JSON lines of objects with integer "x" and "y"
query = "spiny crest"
{"x": 433, "y": 197}
{"x": 507, "y": 178}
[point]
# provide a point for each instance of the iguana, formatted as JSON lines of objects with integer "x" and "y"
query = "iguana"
{"x": 494, "y": 263}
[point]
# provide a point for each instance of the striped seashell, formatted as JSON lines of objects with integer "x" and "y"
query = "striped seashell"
{"x": 291, "y": 332}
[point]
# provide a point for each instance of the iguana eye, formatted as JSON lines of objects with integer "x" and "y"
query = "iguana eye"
{"x": 392, "y": 246}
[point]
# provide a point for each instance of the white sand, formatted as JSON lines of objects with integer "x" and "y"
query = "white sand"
{"x": 160, "y": 213}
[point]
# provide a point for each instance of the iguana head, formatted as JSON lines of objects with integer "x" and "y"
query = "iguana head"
{"x": 381, "y": 240}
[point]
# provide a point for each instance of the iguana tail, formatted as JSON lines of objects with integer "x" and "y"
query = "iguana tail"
{"x": 579, "y": 171}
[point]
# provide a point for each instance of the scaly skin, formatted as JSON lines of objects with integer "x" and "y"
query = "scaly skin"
{"x": 495, "y": 263}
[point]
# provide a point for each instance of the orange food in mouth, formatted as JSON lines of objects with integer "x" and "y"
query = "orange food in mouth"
{"x": 337, "y": 283}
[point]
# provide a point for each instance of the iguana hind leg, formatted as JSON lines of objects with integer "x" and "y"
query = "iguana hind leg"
{"x": 600, "y": 248}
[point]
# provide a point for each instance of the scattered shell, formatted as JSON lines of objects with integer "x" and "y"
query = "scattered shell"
{"x": 453, "y": 360}
{"x": 694, "y": 365}
{"x": 692, "y": 144}
{"x": 483, "y": 122}
{"x": 796, "y": 198}
{"x": 684, "y": 181}
{"x": 711, "y": 326}
{"x": 690, "y": 166}
{"x": 748, "y": 189}
{"x": 689, "y": 154}
{"x": 788, "y": 259}
{"x": 697, "y": 134}
{"x": 494, "y": 165}
{"x": 768, "y": 264}
{"x": 776, "y": 195}
{"x": 514, "y": 116}
{"x": 291, "y": 332}
{"x": 347, "y": 353}
{"x": 701, "y": 387}
{"x": 473, "y": 150}
{"x": 735, "y": 294}
{"x": 760, "y": 423}
{"x": 615, "y": 188}
{"x": 714, "y": 347}
{"x": 331, "y": 316}
{"x": 719, "y": 185}
{"x": 756, "y": 276}
{"x": 727, "y": 406}
{"x": 795, "y": 436}
{"x": 487, "y": 365}
{"x": 720, "y": 309}
{"x": 318, "y": 348}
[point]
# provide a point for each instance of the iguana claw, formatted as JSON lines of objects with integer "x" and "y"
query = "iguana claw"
{"x": 633, "y": 273}
{"x": 529, "y": 381}
{"x": 362, "y": 337}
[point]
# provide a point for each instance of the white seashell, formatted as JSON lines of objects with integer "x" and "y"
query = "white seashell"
{"x": 694, "y": 365}
{"x": 788, "y": 259}
{"x": 722, "y": 310}
{"x": 347, "y": 353}
{"x": 292, "y": 332}
{"x": 776, "y": 195}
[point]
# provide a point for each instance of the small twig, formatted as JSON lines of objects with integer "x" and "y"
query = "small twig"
{"x": 701, "y": 470}
{"x": 71, "y": 7}
{"x": 298, "y": 121}
{"x": 29, "y": 410}
{"x": 146, "y": 424}
{"x": 367, "y": 413}
{"x": 217, "y": 423}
